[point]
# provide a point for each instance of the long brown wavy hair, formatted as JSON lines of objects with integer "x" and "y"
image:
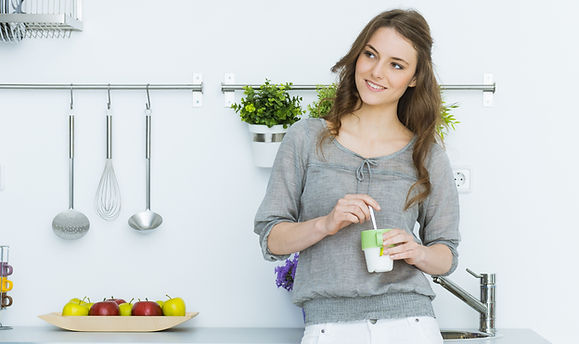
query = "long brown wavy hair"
{"x": 418, "y": 108}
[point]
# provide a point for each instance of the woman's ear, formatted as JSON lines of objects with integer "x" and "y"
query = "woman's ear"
{"x": 412, "y": 82}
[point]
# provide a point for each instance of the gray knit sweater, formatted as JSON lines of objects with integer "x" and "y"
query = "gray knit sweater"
{"x": 331, "y": 282}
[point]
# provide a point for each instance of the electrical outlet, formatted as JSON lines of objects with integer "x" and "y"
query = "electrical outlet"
{"x": 462, "y": 179}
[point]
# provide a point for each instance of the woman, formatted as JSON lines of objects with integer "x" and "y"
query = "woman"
{"x": 376, "y": 148}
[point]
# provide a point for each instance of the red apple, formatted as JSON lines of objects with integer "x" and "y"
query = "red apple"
{"x": 147, "y": 308}
{"x": 104, "y": 308}
{"x": 118, "y": 301}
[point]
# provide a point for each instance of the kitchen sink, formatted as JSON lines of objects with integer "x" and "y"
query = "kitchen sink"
{"x": 454, "y": 334}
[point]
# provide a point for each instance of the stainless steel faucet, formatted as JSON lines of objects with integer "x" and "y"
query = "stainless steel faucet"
{"x": 486, "y": 305}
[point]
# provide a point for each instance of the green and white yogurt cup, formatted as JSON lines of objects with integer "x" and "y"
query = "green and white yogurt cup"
{"x": 372, "y": 245}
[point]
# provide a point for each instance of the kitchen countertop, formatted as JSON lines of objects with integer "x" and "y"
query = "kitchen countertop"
{"x": 206, "y": 335}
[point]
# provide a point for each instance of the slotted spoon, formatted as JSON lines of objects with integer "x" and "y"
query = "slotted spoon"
{"x": 70, "y": 224}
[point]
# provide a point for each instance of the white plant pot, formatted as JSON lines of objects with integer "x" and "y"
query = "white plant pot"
{"x": 265, "y": 143}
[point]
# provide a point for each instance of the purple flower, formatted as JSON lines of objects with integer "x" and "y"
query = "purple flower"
{"x": 286, "y": 273}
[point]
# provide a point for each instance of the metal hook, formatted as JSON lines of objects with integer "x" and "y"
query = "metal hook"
{"x": 109, "y": 97}
{"x": 71, "y": 99}
{"x": 148, "y": 104}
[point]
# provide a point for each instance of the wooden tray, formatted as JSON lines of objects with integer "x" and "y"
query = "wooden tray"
{"x": 115, "y": 323}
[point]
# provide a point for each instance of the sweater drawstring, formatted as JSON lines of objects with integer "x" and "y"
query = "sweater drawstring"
{"x": 368, "y": 163}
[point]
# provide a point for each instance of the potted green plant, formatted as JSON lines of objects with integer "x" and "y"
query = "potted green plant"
{"x": 322, "y": 106}
{"x": 269, "y": 111}
{"x": 326, "y": 95}
{"x": 447, "y": 119}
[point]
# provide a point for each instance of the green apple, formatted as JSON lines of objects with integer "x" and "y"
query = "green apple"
{"x": 160, "y": 302}
{"x": 74, "y": 309}
{"x": 174, "y": 307}
{"x": 125, "y": 308}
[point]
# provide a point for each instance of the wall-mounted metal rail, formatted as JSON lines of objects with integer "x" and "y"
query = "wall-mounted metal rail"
{"x": 196, "y": 88}
{"x": 488, "y": 88}
{"x": 193, "y": 87}
{"x": 482, "y": 87}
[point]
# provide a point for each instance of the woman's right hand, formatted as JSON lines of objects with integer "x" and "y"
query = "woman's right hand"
{"x": 352, "y": 208}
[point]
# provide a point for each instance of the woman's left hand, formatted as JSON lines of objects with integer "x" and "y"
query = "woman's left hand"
{"x": 405, "y": 247}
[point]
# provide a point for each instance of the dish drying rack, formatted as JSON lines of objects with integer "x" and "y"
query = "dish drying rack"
{"x": 21, "y": 19}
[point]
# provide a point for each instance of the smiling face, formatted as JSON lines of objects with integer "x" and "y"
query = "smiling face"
{"x": 385, "y": 68}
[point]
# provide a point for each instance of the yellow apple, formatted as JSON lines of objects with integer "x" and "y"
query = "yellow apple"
{"x": 160, "y": 302}
{"x": 74, "y": 309}
{"x": 125, "y": 309}
{"x": 87, "y": 303}
{"x": 174, "y": 307}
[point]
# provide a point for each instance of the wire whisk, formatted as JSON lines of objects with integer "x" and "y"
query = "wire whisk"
{"x": 108, "y": 196}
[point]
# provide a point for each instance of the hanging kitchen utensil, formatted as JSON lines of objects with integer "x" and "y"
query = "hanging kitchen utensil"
{"x": 70, "y": 224}
{"x": 147, "y": 220}
{"x": 108, "y": 196}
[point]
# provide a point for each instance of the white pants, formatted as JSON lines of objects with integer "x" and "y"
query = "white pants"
{"x": 412, "y": 330}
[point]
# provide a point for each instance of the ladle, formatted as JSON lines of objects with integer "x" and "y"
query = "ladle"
{"x": 70, "y": 224}
{"x": 147, "y": 220}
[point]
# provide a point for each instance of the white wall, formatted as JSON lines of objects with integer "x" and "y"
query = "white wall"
{"x": 516, "y": 222}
